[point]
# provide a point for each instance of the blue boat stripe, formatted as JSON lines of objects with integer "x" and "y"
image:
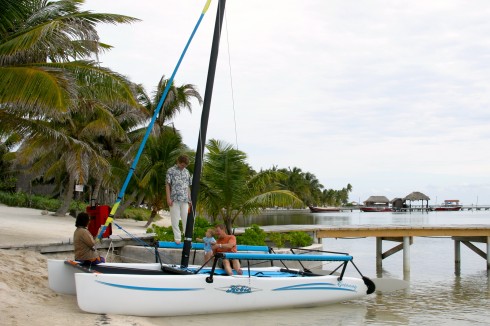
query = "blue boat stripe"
{"x": 313, "y": 286}
{"x": 143, "y": 288}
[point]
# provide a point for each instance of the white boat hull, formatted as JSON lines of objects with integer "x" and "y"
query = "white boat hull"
{"x": 172, "y": 295}
{"x": 61, "y": 276}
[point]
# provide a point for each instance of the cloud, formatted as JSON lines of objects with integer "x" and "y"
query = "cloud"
{"x": 383, "y": 95}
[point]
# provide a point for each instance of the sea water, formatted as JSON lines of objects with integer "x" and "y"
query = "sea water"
{"x": 436, "y": 295}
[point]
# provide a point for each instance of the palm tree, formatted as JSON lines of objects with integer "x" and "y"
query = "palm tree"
{"x": 314, "y": 187}
{"x": 41, "y": 44}
{"x": 229, "y": 187}
{"x": 79, "y": 153}
{"x": 298, "y": 184}
{"x": 160, "y": 154}
{"x": 53, "y": 94}
{"x": 7, "y": 177}
{"x": 178, "y": 98}
{"x": 336, "y": 197}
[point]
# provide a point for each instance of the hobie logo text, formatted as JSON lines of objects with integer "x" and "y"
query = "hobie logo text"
{"x": 341, "y": 284}
{"x": 239, "y": 289}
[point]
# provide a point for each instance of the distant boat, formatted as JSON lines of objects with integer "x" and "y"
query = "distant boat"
{"x": 323, "y": 209}
{"x": 448, "y": 205}
{"x": 376, "y": 209}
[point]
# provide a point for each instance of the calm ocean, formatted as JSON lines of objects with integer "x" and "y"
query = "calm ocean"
{"x": 436, "y": 296}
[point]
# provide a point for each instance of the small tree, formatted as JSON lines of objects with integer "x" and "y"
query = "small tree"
{"x": 229, "y": 187}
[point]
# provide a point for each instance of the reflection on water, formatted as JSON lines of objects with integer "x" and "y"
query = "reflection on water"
{"x": 338, "y": 314}
{"x": 277, "y": 218}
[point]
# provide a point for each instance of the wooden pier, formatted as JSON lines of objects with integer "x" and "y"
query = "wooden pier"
{"x": 404, "y": 234}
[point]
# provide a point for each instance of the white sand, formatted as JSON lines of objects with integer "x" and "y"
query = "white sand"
{"x": 25, "y": 226}
{"x": 25, "y": 297}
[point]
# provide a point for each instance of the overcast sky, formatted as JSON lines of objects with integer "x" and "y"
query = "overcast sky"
{"x": 389, "y": 96}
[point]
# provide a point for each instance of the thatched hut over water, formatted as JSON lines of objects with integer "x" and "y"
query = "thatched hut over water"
{"x": 377, "y": 201}
{"x": 398, "y": 203}
{"x": 417, "y": 196}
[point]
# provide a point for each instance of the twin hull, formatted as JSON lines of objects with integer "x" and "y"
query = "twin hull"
{"x": 172, "y": 295}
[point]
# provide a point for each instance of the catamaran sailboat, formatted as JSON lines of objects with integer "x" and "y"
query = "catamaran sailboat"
{"x": 157, "y": 289}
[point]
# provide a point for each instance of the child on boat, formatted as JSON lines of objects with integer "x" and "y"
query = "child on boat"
{"x": 208, "y": 242}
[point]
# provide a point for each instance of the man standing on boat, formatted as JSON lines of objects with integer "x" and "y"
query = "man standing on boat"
{"x": 178, "y": 182}
{"x": 226, "y": 243}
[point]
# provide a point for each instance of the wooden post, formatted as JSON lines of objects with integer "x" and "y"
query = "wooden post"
{"x": 457, "y": 257}
{"x": 488, "y": 253}
{"x": 379, "y": 254}
{"x": 406, "y": 254}
{"x": 316, "y": 238}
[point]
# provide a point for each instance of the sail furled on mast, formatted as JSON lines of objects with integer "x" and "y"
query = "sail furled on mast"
{"x": 201, "y": 142}
{"x": 110, "y": 219}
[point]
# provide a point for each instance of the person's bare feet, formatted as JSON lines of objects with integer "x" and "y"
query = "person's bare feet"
{"x": 239, "y": 271}
{"x": 177, "y": 242}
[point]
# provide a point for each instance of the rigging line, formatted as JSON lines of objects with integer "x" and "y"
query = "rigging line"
{"x": 231, "y": 80}
{"x": 150, "y": 126}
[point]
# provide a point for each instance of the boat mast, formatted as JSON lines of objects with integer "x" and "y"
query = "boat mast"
{"x": 201, "y": 142}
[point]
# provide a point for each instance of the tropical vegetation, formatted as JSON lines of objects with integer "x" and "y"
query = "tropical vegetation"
{"x": 230, "y": 187}
{"x": 253, "y": 235}
{"x": 311, "y": 191}
{"x": 48, "y": 204}
{"x": 76, "y": 122}
{"x": 65, "y": 120}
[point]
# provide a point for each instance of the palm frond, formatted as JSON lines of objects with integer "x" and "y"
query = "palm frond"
{"x": 36, "y": 89}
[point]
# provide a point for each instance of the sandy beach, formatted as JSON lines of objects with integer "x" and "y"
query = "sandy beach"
{"x": 25, "y": 297}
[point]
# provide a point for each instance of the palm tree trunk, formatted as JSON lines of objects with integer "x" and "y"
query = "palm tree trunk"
{"x": 126, "y": 203}
{"x": 95, "y": 192}
{"x": 228, "y": 225}
{"x": 140, "y": 199}
{"x": 67, "y": 198}
{"x": 152, "y": 217}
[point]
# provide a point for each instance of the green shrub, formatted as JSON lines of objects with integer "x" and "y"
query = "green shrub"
{"x": 279, "y": 239}
{"x": 300, "y": 239}
{"x": 8, "y": 183}
{"x": 21, "y": 199}
{"x": 253, "y": 236}
{"x": 138, "y": 214}
{"x": 201, "y": 225}
{"x": 163, "y": 233}
{"x": 48, "y": 204}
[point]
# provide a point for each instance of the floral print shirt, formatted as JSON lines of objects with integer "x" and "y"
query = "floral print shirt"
{"x": 179, "y": 181}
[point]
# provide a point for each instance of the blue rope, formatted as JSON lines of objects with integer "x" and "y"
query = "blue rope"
{"x": 146, "y": 245}
{"x": 150, "y": 126}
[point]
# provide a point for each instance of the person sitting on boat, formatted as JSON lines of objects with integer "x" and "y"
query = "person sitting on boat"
{"x": 226, "y": 243}
{"x": 208, "y": 240}
{"x": 84, "y": 243}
